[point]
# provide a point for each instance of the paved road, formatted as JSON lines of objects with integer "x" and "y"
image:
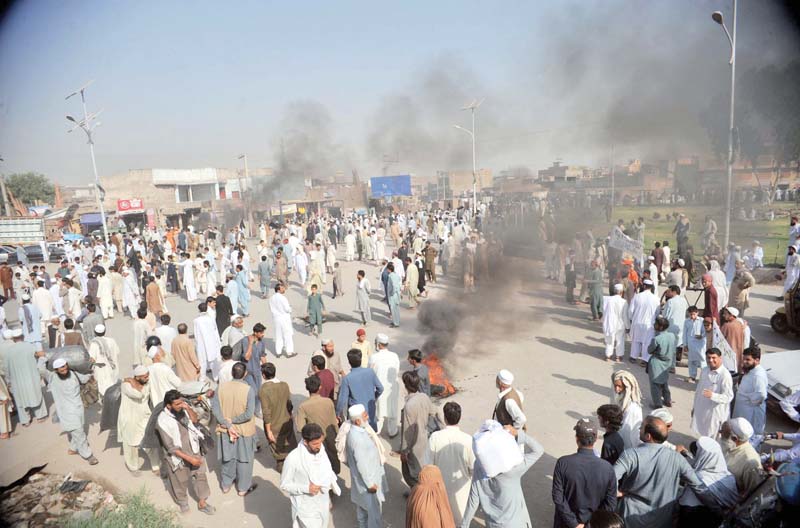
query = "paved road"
{"x": 520, "y": 323}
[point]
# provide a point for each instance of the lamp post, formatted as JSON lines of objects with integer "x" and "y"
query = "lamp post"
{"x": 241, "y": 193}
{"x": 88, "y": 127}
{"x": 472, "y": 107}
{"x": 716, "y": 16}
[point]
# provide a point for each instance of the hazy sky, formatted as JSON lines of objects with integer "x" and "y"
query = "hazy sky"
{"x": 193, "y": 84}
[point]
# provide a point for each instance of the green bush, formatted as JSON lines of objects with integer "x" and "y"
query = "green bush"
{"x": 136, "y": 511}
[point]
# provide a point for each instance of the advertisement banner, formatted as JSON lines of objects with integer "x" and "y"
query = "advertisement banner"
{"x": 132, "y": 205}
{"x": 386, "y": 186}
{"x": 626, "y": 244}
{"x": 151, "y": 218}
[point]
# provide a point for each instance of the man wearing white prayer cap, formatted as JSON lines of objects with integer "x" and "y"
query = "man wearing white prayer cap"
{"x": 616, "y": 321}
{"x": 740, "y": 455}
{"x": 104, "y": 352}
{"x": 31, "y": 320}
{"x": 643, "y": 309}
{"x": 134, "y": 413}
{"x": 23, "y": 378}
{"x": 386, "y": 365}
{"x": 508, "y": 410}
{"x": 65, "y": 387}
{"x": 369, "y": 485}
{"x": 162, "y": 378}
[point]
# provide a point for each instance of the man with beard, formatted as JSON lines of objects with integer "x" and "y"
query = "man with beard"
{"x": 105, "y": 357}
{"x": 23, "y": 378}
{"x": 369, "y": 485}
{"x": 183, "y": 452}
{"x": 418, "y": 409}
{"x": 65, "y": 386}
{"x": 276, "y": 405}
{"x": 234, "y": 407}
{"x": 308, "y": 478}
{"x": 751, "y": 398}
{"x": 134, "y": 413}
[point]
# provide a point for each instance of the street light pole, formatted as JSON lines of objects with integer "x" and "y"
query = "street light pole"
{"x": 717, "y": 17}
{"x": 241, "y": 193}
{"x": 86, "y": 125}
{"x": 472, "y": 107}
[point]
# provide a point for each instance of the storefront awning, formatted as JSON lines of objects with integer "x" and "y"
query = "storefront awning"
{"x": 91, "y": 218}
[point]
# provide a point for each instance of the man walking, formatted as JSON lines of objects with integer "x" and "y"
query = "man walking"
{"x": 24, "y": 379}
{"x": 662, "y": 356}
{"x": 134, "y": 413}
{"x": 644, "y": 308}
{"x": 582, "y": 482}
{"x": 320, "y": 411}
{"x": 308, "y": 479}
{"x": 276, "y": 406}
{"x": 386, "y": 365}
{"x": 65, "y": 387}
{"x": 105, "y": 357}
{"x": 508, "y": 410}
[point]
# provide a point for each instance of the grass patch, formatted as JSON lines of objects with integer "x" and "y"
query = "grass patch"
{"x": 136, "y": 511}
{"x": 773, "y": 236}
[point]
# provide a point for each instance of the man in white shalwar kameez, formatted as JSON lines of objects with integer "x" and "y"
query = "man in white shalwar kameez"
{"x": 644, "y": 308}
{"x": 208, "y": 343}
{"x": 282, "y": 320}
{"x": 188, "y": 279}
{"x": 350, "y": 246}
{"x": 386, "y": 365}
{"x": 792, "y": 271}
{"x": 301, "y": 264}
{"x": 134, "y": 413}
{"x": 308, "y": 478}
{"x": 42, "y": 299}
{"x": 141, "y": 331}
{"x": 451, "y": 451}
{"x": 105, "y": 295}
{"x": 105, "y": 355}
{"x": 130, "y": 292}
{"x": 712, "y": 397}
{"x": 616, "y": 321}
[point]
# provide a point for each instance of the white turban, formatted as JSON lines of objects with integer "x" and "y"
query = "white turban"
{"x": 356, "y": 411}
{"x": 505, "y": 377}
{"x": 382, "y": 339}
{"x": 100, "y": 329}
{"x": 663, "y": 413}
{"x": 140, "y": 370}
{"x": 236, "y": 317}
{"x": 741, "y": 428}
{"x": 733, "y": 311}
{"x": 26, "y": 297}
{"x": 60, "y": 362}
{"x": 618, "y": 287}
{"x": 152, "y": 352}
{"x": 648, "y": 282}
{"x": 17, "y": 332}
{"x": 681, "y": 262}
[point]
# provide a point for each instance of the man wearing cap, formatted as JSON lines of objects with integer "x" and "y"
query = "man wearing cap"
{"x": 740, "y": 456}
{"x": 386, "y": 365}
{"x": 31, "y": 320}
{"x": 712, "y": 397}
{"x": 644, "y": 308}
{"x": 23, "y": 378}
{"x": 134, "y": 413}
{"x": 65, "y": 387}
{"x": 105, "y": 358}
{"x": 508, "y": 410}
{"x": 233, "y": 335}
{"x": 582, "y": 482}
{"x": 369, "y": 484}
{"x": 616, "y": 322}
{"x": 162, "y": 378}
{"x": 363, "y": 344}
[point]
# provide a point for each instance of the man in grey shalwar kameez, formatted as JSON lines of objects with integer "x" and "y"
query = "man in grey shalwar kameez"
{"x": 369, "y": 486}
{"x": 649, "y": 476}
{"x": 65, "y": 386}
{"x": 23, "y": 377}
{"x": 500, "y": 497}
{"x": 414, "y": 451}
{"x": 234, "y": 408}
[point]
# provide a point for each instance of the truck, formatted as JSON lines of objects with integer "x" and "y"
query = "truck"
{"x": 28, "y": 230}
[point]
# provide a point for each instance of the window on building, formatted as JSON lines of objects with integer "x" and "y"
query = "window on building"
{"x": 183, "y": 193}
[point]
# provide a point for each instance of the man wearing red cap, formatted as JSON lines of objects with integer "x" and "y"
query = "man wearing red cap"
{"x": 363, "y": 344}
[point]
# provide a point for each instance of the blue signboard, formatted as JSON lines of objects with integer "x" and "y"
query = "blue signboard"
{"x": 385, "y": 186}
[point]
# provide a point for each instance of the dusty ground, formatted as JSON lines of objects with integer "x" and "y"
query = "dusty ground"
{"x": 523, "y": 325}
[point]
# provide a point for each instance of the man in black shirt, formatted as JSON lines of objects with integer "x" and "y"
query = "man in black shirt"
{"x": 582, "y": 483}
{"x": 610, "y": 416}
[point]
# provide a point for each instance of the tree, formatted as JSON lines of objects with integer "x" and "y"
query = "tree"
{"x": 30, "y": 188}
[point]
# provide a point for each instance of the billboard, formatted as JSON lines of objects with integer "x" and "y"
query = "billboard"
{"x": 132, "y": 205}
{"x": 384, "y": 186}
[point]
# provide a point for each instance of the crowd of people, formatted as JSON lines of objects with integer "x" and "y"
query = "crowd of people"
{"x": 624, "y": 472}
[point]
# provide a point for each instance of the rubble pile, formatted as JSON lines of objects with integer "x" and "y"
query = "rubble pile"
{"x": 53, "y": 500}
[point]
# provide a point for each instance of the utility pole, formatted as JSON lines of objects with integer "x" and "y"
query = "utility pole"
{"x": 86, "y": 125}
{"x": 472, "y": 107}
